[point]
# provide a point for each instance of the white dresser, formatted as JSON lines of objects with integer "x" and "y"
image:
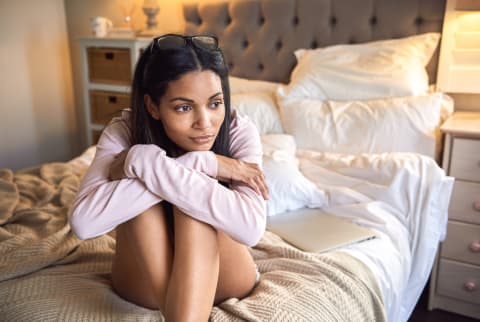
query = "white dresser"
{"x": 108, "y": 65}
{"x": 455, "y": 280}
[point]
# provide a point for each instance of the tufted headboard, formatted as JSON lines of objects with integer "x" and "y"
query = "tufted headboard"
{"x": 259, "y": 37}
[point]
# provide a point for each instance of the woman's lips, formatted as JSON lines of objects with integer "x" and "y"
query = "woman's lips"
{"x": 204, "y": 139}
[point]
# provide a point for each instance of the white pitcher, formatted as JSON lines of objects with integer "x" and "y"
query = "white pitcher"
{"x": 100, "y": 26}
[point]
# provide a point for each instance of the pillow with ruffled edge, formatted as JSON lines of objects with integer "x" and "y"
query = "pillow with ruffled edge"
{"x": 386, "y": 68}
{"x": 400, "y": 124}
{"x": 261, "y": 108}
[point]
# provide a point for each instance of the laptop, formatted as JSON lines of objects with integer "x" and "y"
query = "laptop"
{"x": 312, "y": 230}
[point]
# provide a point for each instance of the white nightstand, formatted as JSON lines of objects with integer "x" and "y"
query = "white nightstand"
{"x": 108, "y": 65}
{"x": 455, "y": 280}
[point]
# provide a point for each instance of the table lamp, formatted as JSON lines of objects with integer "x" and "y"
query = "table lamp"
{"x": 459, "y": 64}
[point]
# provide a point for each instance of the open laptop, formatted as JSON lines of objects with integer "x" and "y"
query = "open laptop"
{"x": 314, "y": 231}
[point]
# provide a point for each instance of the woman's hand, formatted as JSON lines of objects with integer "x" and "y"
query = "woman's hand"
{"x": 116, "y": 171}
{"x": 231, "y": 170}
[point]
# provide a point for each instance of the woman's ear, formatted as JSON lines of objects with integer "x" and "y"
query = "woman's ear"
{"x": 151, "y": 107}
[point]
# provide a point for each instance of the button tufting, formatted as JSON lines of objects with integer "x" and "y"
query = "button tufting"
{"x": 295, "y": 21}
{"x": 279, "y": 45}
{"x": 260, "y": 66}
{"x": 419, "y": 21}
{"x": 373, "y": 21}
{"x": 333, "y": 21}
{"x": 245, "y": 43}
{"x": 228, "y": 21}
{"x": 313, "y": 44}
{"x": 262, "y": 20}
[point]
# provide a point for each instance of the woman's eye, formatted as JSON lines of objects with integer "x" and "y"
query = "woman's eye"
{"x": 183, "y": 108}
{"x": 216, "y": 104}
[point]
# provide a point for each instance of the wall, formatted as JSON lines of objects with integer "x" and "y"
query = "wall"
{"x": 36, "y": 92}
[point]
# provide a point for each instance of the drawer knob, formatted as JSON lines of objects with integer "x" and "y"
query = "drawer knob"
{"x": 476, "y": 205}
{"x": 475, "y": 246}
{"x": 470, "y": 286}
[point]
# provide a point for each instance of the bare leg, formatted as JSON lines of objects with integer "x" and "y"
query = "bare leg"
{"x": 195, "y": 270}
{"x": 143, "y": 258}
{"x": 237, "y": 269}
{"x": 209, "y": 265}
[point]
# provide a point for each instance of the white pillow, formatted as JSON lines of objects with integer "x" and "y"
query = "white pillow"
{"x": 402, "y": 124}
{"x": 288, "y": 188}
{"x": 243, "y": 85}
{"x": 386, "y": 68}
{"x": 261, "y": 109}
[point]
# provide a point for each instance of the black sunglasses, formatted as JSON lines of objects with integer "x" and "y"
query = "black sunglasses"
{"x": 174, "y": 41}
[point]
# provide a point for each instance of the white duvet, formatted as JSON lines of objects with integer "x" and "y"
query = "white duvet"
{"x": 403, "y": 196}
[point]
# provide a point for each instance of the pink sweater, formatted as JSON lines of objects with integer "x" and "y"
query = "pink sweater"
{"x": 187, "y": 182}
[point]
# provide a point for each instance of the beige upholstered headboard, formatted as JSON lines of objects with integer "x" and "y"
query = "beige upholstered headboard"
{"x": 259, "y": 37}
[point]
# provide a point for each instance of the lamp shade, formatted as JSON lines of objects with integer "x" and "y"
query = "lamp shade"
{"x": 459, "y": 65}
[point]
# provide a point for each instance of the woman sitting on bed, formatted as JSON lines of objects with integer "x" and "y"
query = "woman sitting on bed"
{"x": 179, "y": 177}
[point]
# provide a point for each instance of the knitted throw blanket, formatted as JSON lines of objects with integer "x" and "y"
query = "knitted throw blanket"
{"x": 47, "y": 274}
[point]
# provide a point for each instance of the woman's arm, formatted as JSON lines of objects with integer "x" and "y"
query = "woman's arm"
{"x": 239, "y": 212}
{"x": 102, "y": 204}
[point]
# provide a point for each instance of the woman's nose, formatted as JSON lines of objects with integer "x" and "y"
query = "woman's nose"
{"x": 203, "y": 118}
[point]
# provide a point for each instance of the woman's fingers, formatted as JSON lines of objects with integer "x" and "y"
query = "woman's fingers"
{"x": 262, "y": 186}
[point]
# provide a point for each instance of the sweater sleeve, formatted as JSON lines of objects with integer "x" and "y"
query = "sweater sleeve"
{"x": 187, "y": 182}
{"x": 239, "y": 211}
{"x": 101, "y": 204}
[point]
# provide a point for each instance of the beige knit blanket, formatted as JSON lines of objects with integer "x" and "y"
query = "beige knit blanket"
{"x": 47, "y": 274}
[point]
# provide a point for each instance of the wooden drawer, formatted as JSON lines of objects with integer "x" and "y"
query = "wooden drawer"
{"x": 454, "y": 278}
{"x": 105, "y": 105}
{"x": 109, "y": 65}
{"x": 465, "y": 162}
{"x": 462, "y": 243}
{"x": 465, "y": 202}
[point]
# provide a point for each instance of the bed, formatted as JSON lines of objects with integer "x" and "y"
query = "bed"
{"x": 349, "y": 122}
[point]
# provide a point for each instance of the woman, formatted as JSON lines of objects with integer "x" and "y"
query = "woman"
{"x": 179, "y": 178}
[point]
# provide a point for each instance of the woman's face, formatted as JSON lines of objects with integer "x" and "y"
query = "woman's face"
{"x": 192, "y": 110}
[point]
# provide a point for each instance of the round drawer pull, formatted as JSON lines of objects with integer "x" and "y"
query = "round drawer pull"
{"x": 470, "y": 286}
{"x": 475, "y": 246}
{"x": 476, "y": 205}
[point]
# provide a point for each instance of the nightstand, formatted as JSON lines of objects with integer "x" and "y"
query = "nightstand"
{"x": 455, "y": 280}
{"x": 108, "y": 65}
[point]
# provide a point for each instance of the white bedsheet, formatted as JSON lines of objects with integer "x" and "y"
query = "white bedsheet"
{"x": 404, "y": 197}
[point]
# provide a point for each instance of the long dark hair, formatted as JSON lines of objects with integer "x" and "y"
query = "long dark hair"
{"x": 155, "y": 69}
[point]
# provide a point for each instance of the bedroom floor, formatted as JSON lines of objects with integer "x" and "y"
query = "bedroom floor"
{"x": 422, "y": 314}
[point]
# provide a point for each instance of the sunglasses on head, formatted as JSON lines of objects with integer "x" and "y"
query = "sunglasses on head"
{"x": 174, "y": 41}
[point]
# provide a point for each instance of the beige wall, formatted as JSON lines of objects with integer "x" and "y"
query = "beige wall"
{"x": 36, "y": 99}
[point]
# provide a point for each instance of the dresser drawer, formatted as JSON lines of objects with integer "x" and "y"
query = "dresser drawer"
{"x": 109, "y": 65}
{"x": 465, "y": 162}
{"x": 465, "y": 202}
{"x": 460, "y": 281}
{"x": 462, "y": 243}
{"x": 105, "y": 105}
